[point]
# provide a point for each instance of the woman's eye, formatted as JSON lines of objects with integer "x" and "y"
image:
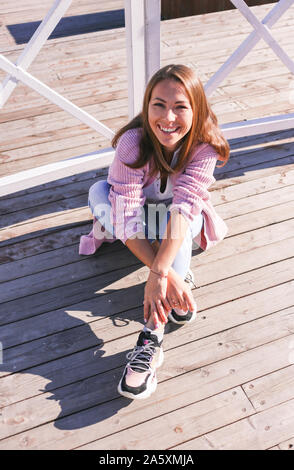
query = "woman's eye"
{"x": 158, "y": 104}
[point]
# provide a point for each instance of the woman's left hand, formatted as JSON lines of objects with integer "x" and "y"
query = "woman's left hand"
{"x": 155, "y": 302}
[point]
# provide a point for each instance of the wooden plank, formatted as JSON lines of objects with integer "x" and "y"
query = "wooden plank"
{"x": 59, "y": 218}
{"x": 28, "y": 201}
{"x": 49, "y": 241}
{"x": 20, "y": 387}
{"x": 224, "y": 290}
{"x": 255, "y": 170}
{"x": 219, "y": 196}
{"x": 57, "y": 345}
{"x": 31, "y": 263}
{"x": 30, "y": 5}
{"x": 204, "y": 382}
{"x": 95, "y": 287}
{"x": 259, "y": 432}
{"x": 59, "y": 82}
{"x": 252, "y": 187}
{"x": 179, "y": 425}
{"x": 66, "y": 74}
{"x": 26, "y": 214}
{"x": 273, "y": 389}
{"x": 256, "y": 202}
{"x": 287, "y": 445}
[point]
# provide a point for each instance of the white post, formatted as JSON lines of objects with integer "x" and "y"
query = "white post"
{"x": 142, "y": 18}
{"x": 152, "y": 37}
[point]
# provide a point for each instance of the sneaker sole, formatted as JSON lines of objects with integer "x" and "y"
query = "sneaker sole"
{"x": 184, "y": 322}
{"x": 152, "y": 387}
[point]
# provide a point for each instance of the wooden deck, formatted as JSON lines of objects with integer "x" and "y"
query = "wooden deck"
{"x": 66, "y": 322}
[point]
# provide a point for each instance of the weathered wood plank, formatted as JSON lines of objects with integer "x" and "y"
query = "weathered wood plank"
{"x": 287, "y": 445}
{"x": 68, "y": 432}
{"x": 77, "y": 337}
{"x": 96, "y": 287}
{"x": 259, "y": 217}
{"x": 180, "y": 425}
{"x": 260, "y": 431}
{"x": 224, "y": 290}
{"x": 51, "y": 240}
{"x": 274, "y": 388}
{"x": 19, "y": 387}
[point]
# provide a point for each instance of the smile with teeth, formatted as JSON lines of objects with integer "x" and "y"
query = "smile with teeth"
{"x": 167, "y": 130}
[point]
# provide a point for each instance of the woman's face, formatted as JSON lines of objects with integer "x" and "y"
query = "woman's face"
{"x": 170, "y": 114}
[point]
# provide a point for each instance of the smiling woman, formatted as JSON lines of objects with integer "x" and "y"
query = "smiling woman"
{"x": 156, "y": 201}
{"x": 170, "y": 114}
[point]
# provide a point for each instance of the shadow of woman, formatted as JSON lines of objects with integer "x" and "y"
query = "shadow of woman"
{"x": 72, "y": 355}
{"x": 81, "y": 363}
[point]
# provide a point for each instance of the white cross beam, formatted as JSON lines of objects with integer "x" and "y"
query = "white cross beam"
{"x": 17, "y": 72}
{"x": 35, "y": 44}
{"x": 270, "y": 19}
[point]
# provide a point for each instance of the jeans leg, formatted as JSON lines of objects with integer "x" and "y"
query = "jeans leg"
{"x": 100, "y": 205}
{"x": 182, "y": 261}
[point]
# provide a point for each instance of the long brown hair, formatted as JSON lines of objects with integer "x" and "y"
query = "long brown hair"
{"x": 204, "y": 127}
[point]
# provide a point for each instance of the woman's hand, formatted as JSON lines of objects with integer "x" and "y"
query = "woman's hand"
{"x": 155, "y": 301}
{"x": 163, "y": 294}
{"x": 178, "y": 293}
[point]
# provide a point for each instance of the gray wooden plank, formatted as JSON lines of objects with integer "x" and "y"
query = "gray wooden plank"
{"x": 69, "y": 432}
{"x": 52, "y": 239}
{"x": 66, "y": 375}
{"x": 80, "y": 269}
{"x": 259, "y": 432}
{"x": 179, "y": 425}
{"x": 224, "y": 290}
{"x": 77, "y": 338}
{"x": 274, "y": 388}
{"x": 94, "y": 287}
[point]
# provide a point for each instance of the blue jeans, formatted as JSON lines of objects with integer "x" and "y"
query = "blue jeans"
{"x": 154, "y": 226}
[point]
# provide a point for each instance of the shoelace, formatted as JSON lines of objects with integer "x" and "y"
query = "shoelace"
{"x": 140, "y": 357}
{"x": 188, "y": 279}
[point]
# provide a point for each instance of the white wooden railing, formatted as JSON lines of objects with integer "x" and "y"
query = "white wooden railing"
{"x": 142, "y": 19}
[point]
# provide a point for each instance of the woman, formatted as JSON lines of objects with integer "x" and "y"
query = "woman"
{"x": 156, "y": 201}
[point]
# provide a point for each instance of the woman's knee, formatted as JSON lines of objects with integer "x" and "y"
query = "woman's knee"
{"x": 98, "y": 194}
{"x": 98, "y": 200}
{"x": 99, "y": 190}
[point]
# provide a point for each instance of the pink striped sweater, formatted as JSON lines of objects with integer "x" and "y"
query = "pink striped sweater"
{"x": 190, "y": 191}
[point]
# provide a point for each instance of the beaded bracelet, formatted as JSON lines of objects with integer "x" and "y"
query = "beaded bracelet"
{"x": 159, "y": 274}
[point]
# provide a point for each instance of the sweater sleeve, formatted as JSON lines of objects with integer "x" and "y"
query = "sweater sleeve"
{"x": 126, "y": 192}
{"x": 191, "y": 186}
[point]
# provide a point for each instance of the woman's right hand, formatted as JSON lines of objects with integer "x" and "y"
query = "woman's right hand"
{"x": 178, "y": 292}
